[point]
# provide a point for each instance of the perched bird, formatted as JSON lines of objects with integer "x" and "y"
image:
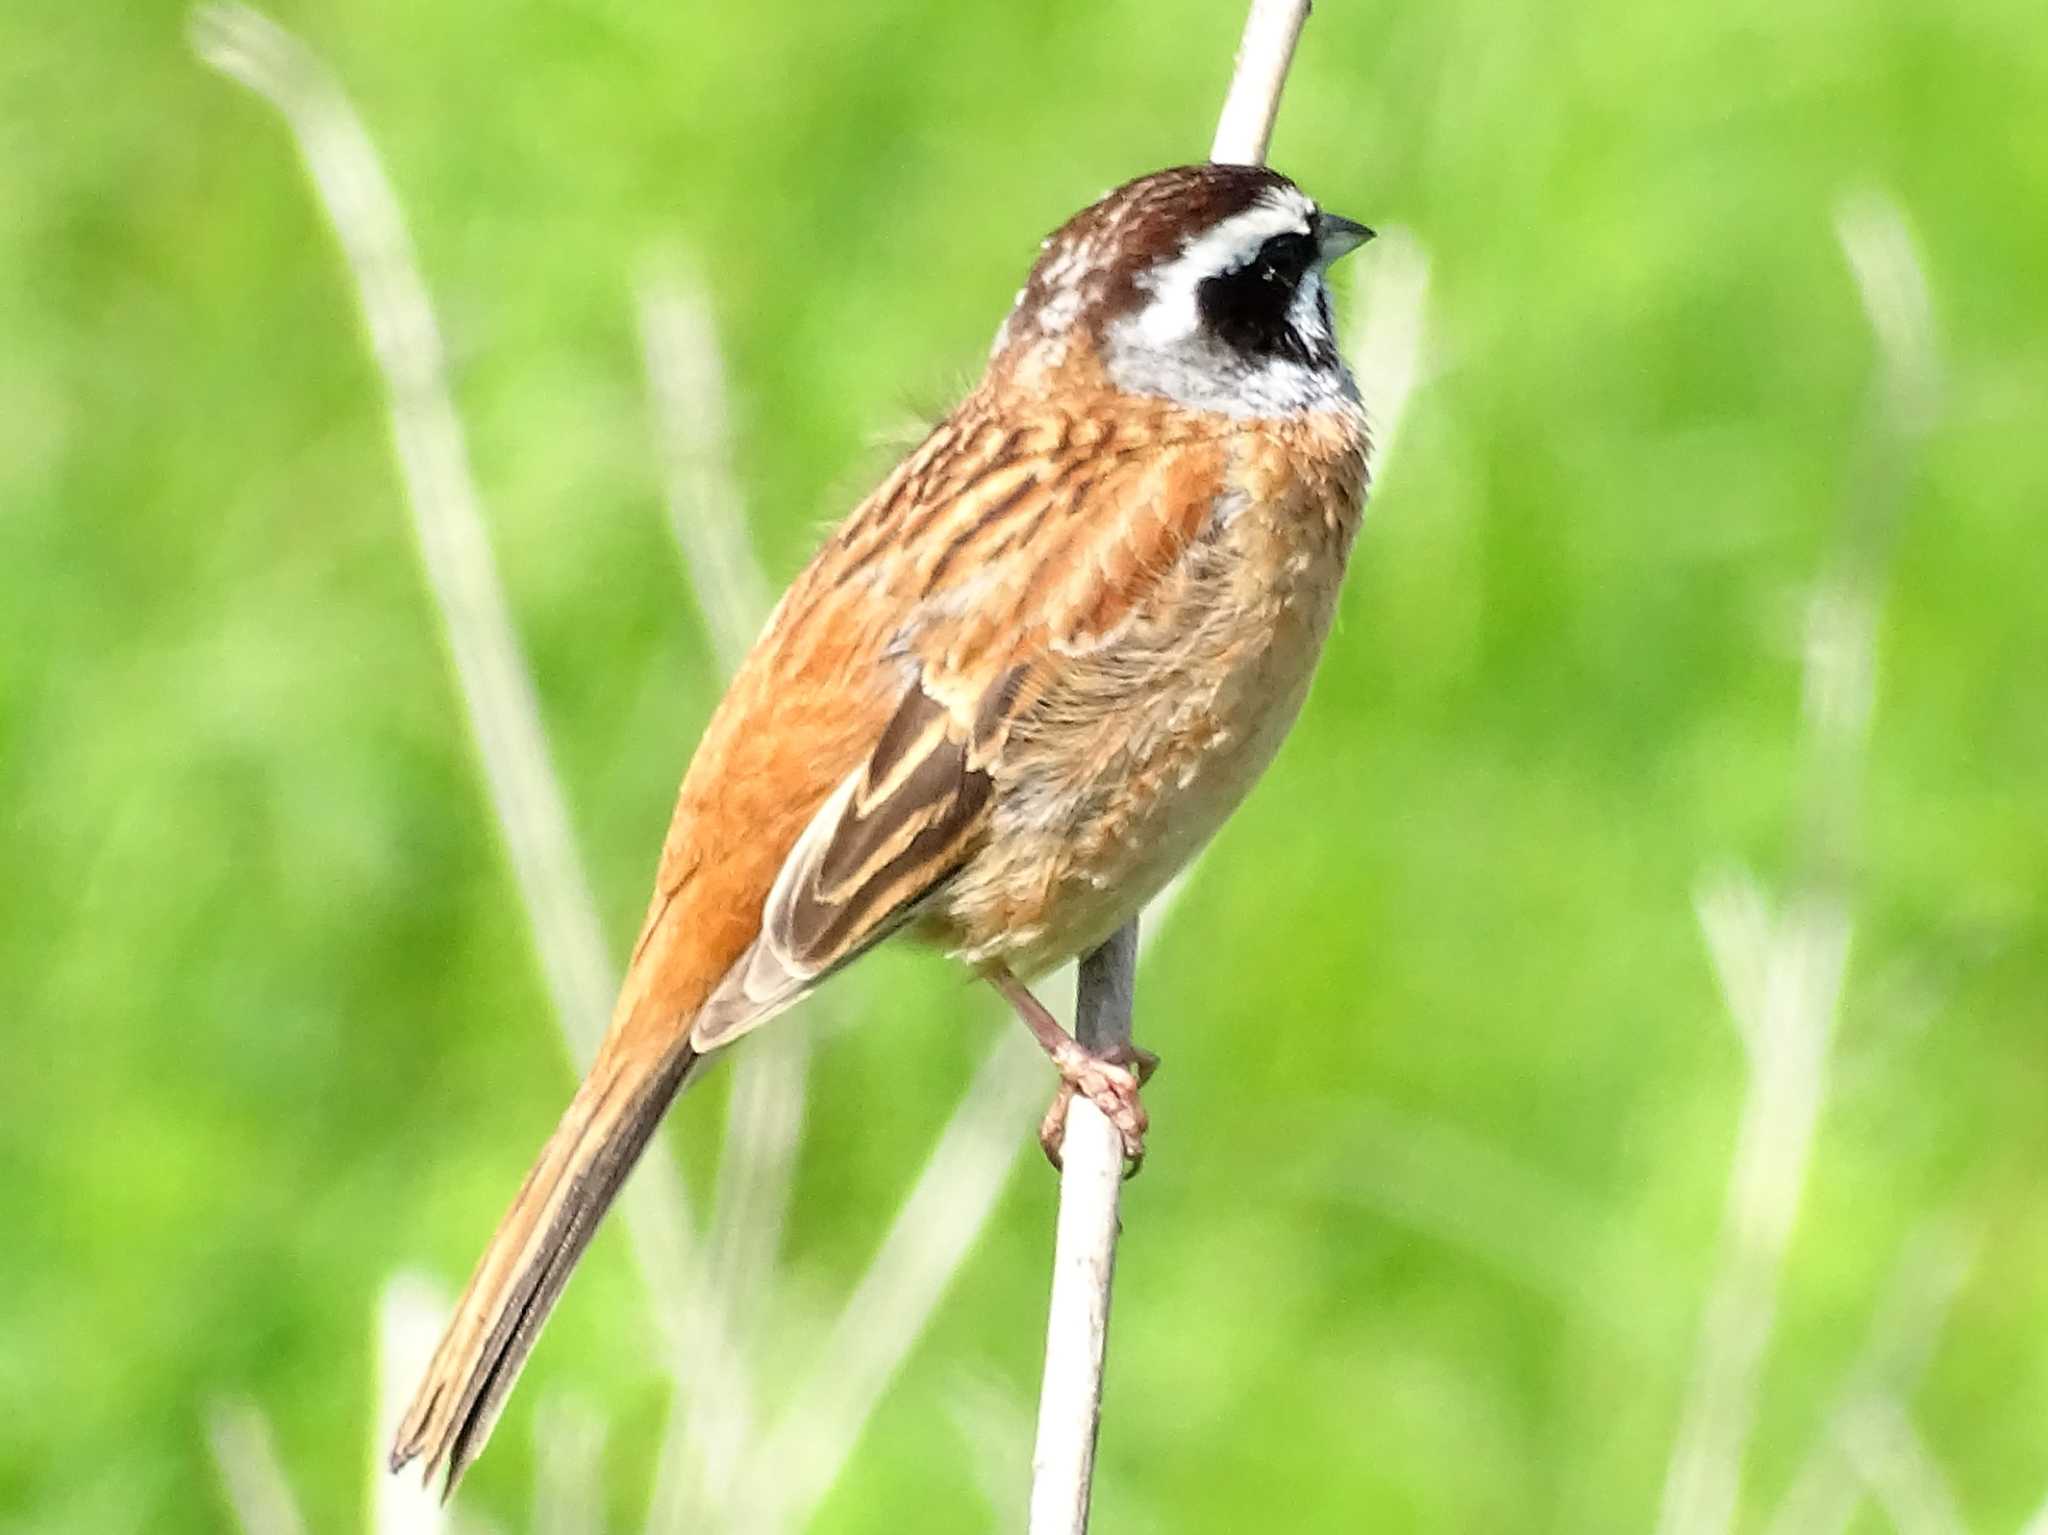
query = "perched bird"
{"x": 1015, "y": 691}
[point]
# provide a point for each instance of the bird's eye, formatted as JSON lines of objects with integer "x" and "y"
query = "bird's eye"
{"x": 1284, "y": 258}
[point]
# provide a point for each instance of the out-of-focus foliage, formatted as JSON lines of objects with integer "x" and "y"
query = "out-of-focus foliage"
{"x": 1449, "y": 1097}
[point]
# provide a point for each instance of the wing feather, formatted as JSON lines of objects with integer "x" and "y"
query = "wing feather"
{"x": 892, "y": 833}
{"x": 1046, "y": 541}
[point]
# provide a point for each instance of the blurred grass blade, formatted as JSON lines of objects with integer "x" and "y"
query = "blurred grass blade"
{"x": 995, "y": 1429}
{"x": 936, "y": 1227}
{"x": 757, "y": 1167}
{"x": 693, "y": 435}
{"x": 1782, "y": 978}
{"x": 1840, "y": 679}
{"x": 409, "y": 1317}
{"x": 1878, "y": 244}
{"x": 705, "y": 1446}
{"x": 1735, "y": 916}
{"x": 1387, "y": 341}
{"x": 1826, "y": 1491}
{"x": 1800, "y": 962}
{"x": 504, "y": 711}
{"x": 568, "y": 1468}
{"x": 1900, "y": 1470}
{"x": 245, "y": 1453}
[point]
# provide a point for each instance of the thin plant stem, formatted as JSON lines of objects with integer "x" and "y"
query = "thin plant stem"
{"x": 1091, "y": 1176}
{"x": 1084, "y": 1259}
{"x": 1263, "y": 55}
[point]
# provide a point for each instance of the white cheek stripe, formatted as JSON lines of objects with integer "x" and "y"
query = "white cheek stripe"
{"x": 1171, "y": 316}
{"x": 1190, "y": 372}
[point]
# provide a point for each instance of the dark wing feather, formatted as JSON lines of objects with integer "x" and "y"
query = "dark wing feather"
{"x": 894, "y": 832}
{"x": 907, "y": 824}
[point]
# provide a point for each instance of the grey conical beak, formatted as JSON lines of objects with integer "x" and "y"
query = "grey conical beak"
{"x": 1337, "y": 237}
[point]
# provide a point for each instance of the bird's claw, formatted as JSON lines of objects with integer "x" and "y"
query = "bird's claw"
{"x": 1110, "y": 1081}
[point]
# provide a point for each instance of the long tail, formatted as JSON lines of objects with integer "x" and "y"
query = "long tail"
{"x": 522, "y": 1272}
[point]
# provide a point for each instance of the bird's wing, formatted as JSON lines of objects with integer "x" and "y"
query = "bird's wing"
{"x": 1037, "y": 550}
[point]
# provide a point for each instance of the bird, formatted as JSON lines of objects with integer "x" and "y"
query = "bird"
{"x": 1012, "y": 694}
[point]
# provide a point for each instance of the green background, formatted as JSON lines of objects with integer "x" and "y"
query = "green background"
{"x": 1449, "y": 1099}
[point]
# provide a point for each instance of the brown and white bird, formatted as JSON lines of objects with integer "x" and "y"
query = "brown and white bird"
{"x": 1017, "y": 689}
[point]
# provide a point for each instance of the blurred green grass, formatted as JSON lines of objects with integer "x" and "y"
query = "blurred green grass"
{"x": 274, "y": 1026}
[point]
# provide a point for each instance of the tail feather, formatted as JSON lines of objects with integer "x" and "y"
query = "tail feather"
{"x": 523, "y": 1271}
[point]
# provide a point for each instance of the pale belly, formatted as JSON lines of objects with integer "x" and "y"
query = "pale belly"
{"x": 1123, "y": 771}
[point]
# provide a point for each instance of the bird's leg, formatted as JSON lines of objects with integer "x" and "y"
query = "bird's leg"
{"x": 1109, "y": 1079}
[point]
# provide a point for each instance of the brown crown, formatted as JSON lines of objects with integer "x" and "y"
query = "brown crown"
{"x": 1088, "y": 269}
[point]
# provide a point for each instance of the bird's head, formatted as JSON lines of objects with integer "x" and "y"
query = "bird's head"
{"x": 1203, "y": 285}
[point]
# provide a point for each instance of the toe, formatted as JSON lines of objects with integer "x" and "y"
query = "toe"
{"x": 1052, "y": 1130}
{"x": 1134, "y": 1150}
